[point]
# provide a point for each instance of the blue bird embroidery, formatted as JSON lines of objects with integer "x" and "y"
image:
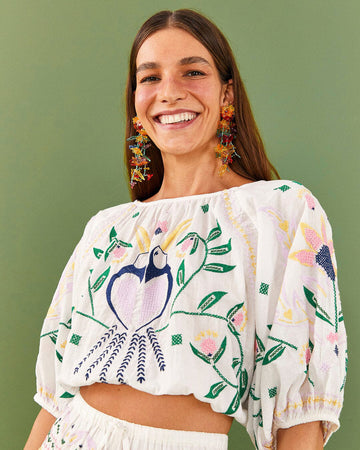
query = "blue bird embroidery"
{"x": 137, "y": 295}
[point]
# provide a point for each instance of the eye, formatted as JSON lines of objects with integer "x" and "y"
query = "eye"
{"x": 194, "y": 73}
{"x": 149, "y": 79}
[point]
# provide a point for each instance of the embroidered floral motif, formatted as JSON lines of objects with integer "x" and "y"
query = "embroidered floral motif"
{"x": 208, "y": 342}
{"x": 161, "y": 227}
{"x": 114, "y": 243}
{"x": 310, "y": 200}
{"x": 119, "y": 251}
{"x": 239, "y": 319}
{"x": 321, "y": 250}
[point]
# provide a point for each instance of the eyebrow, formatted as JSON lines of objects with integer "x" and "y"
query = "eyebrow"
{"x": 183, "y": 62}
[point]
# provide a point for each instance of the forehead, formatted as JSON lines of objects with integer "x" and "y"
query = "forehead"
{"x": 170, "y": 46}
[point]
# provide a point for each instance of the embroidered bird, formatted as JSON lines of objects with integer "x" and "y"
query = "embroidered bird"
{"x": 147, "y": 281}
{"x": 137, "y": 295}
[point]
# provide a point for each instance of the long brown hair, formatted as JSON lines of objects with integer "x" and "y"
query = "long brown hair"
{"x": 253, "y": 164}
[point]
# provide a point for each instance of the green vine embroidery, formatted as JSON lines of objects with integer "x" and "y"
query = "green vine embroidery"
{"x": 233, "y": 316}
{"x": 194, "y": 239}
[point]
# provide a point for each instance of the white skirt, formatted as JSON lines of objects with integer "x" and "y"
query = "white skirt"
{"x": 82, "y": 427}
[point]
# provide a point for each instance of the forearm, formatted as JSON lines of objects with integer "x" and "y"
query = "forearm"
{"x": 306, "y": 436}
{"x": 40, "y": 429}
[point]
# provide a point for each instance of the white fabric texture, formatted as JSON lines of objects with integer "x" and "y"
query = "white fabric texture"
{"x": 231, "y": 296}
{"x": 83, "y": 427}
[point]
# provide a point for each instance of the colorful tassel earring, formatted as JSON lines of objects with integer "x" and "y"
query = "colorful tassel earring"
{"x": 226, "y": 132}
{"x": 139, "y": 161}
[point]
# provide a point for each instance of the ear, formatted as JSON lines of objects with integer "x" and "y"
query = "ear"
{"x": 227, "y": 94}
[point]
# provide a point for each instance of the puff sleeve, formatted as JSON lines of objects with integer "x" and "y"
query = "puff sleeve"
{"x": 56, "y": 330}
{"x": 300, "y": 341}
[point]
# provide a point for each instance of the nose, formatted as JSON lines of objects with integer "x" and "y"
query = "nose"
{"x": 171, "y": 90}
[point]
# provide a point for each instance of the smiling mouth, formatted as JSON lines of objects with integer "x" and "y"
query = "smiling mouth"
{"x": 166, "y": 119}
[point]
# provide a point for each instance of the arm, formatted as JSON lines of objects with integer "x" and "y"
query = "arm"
{"x": 40, "y": 429}
{"x": 306, "y": 436}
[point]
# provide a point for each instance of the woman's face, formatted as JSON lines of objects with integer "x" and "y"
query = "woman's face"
{"x": 179, "y": 92}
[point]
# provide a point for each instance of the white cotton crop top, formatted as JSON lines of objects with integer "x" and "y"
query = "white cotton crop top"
{"x": 231, "y": 296}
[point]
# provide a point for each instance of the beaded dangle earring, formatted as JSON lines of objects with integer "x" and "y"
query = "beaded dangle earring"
{"x": 139, "y": 161}
{"x": 226, "y": 132}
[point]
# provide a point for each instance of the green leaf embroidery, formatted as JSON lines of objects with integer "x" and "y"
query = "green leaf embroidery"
{"x": 100, "y": 281}
{"x": 231, "y": 313}
{"x": 195, "y": 245}
{"x": 180, "y": 276}
{"x": 216, "y": 389}
{"x": 260, "y": 345}
{"x": 236, "y": 362}
{"x": 252, "y": 395}
{"x": 311, "y": 345}
{"x": 323, "y": 315}
{"x": 273, "y": 353}
{"x": 67, "y": 395}
{"x": 261, "y": 349}
{"x": 113, "y": 233}
{"x": 59, "y": 357}
{"x": 318, "y": 314}
{"x": 310, "y": 297}
{"x": 219, "y": 268}
{"x": 214, "y": 233}
{"x": 243, "y": 382}
{"x": 232, "y": 329}
{"x": 110, "y": 249}
{"x": 98, "y": 252}
{"x": 221, "y": 249}
{"x": 220, "y": 351}
{"x": 234, "y": 405}
{"x": 53, "y": 337}
{"x": 124, "y": 244}
{"x": 210, "y": 300}
{"x": 200, "y": 355}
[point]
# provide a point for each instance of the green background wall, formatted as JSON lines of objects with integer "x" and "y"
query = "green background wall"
{"x": 62, "y": 76}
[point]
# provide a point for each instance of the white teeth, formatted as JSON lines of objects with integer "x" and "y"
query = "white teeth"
{"x": 175, "y": 118}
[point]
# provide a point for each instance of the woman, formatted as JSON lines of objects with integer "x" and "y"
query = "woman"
{"x": 214, "y": 297}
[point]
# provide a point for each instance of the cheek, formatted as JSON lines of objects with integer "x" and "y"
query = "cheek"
{"x": 142, "y": 100}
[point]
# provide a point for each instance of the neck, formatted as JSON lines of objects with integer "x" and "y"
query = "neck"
{"x": 187, "y": 175}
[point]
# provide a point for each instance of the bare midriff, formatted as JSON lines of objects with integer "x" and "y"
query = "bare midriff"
{"x": 173, "y": 412}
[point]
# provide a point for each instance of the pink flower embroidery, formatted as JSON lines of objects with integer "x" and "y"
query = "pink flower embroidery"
{"x": 208, "y": 346}
{"x": 310, "y": 201}
{"x": 162, "y": 226}
{"x": 186, "y": 244}
{"x": 320, "y": 251}
{"x": 239, "y": 319}
{"x": 305, "y": 354}
{"x": 332, "y": 337}
{"x": 208, "y": 342}
{"x": 118, "y": 252}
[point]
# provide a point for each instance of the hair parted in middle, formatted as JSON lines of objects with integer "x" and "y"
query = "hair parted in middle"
{"x": 253, "y": 164}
